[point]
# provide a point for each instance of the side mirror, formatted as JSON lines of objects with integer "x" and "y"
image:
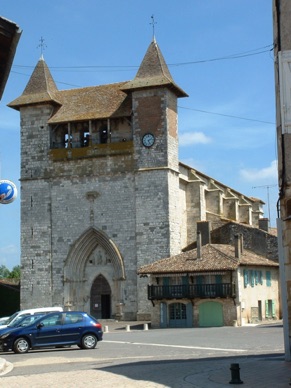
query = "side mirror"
{"x": 40, "y": 325}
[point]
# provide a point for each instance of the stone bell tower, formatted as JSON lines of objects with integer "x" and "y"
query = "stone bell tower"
{"x": 99, "y": 189}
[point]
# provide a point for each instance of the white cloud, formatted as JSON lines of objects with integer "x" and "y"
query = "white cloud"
{"x": 190, "y": 138}
{"x": 266, "y": 173}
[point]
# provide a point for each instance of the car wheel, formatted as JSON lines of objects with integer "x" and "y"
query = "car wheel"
{"x": 89, "y": 341}
{"x": 21, "y": 345}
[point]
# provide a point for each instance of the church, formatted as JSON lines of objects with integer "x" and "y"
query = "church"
{"x": 103, "y": 192}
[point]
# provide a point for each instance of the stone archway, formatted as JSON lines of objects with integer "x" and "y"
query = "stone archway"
{"x": 76, "y": 287}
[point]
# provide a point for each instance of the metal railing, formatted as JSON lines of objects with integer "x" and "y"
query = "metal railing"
{"x": 191, "y": 291}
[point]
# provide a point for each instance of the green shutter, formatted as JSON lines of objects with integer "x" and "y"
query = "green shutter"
{"x": 185, "y": 280}
{"x": 246, "y": 280}
{"x": 268, "y": 278}
{"x": 166, "y": 281}
{"x": 256, "y": 277}
{"x": 273, "y": 309}
{"x": 252, "y": 276}
{"x": 266, "y": 309}
{"x": 218, "y": 279}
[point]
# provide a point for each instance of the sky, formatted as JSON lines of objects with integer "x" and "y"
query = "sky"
{"x": 218, "y": 51}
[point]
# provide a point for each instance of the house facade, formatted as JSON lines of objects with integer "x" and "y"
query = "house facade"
{"x": 103, "y": 192}
{"x": 213, "y": 285}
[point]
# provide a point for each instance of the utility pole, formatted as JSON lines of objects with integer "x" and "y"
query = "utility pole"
{"x": 268, "y": 197}
{"x": 282, "y": 52}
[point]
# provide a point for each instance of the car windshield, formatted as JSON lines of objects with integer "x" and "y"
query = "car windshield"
{"x": 12, "y": 317}
{"x": 24, "y": 320}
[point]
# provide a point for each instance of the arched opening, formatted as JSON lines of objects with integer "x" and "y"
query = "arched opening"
{"x": 100, "y": 297}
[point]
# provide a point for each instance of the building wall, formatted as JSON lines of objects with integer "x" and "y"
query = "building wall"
{"x": 254, "y": 290}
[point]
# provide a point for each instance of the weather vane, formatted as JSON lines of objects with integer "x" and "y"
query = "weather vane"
{"x": 42, "y": 45}
{"x": 153, "y": 24}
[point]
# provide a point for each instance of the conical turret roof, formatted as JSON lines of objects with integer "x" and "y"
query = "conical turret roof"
{"x": 153, "y": 72}
{"x": 41, "y": 88}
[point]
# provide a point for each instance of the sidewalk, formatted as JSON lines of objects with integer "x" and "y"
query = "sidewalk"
{"x": 259, "y": 373}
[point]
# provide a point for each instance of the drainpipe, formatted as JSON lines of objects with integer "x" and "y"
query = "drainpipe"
{"x": 198, "y": 245}
{"x": 237, "y": 246}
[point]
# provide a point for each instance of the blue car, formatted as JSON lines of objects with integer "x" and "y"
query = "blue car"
{"x": 53, "y": 330}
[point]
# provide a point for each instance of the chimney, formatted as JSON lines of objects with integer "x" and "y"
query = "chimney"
{"x": 198, "y": 245}
{"x": 204, "y": 228}
{"x": 264, "y": 224}
{"x": 237, "y": 246}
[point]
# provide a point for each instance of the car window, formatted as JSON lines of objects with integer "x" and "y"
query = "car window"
{"x": 55, "y": 319}
{"x": 74, "y": 318}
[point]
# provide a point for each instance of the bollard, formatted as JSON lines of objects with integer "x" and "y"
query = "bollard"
{"x": 127, "y": 328}
{"x": 235, "y": 377}
{"x": 105, "y": 329}
{"x": 145, "y": 326}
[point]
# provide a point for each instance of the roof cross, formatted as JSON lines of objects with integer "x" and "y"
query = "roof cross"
{"x": 153, "y": 24}
{"x": 42, "y": 46}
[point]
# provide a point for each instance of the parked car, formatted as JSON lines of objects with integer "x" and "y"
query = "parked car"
{"x": 3, "y": 320}
{"x": 45, "y": 310}
{"x": 54, "y": 330}
{"x": 21, "y": 321}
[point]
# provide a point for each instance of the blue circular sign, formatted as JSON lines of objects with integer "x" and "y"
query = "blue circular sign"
{"x": 8, "y": 191}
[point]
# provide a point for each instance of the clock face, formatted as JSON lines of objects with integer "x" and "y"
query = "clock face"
{"x": 148, "y": 140}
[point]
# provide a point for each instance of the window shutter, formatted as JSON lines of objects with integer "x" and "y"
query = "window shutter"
{"x": 218, "y": 279}
{"x": 252, "y": 278}
{"x": 273, "y": 309}
{"x": 256, "y": 277}
{"x": 166, "y": 281}
{"x": 245, "y": 277}
{"x": 268, "y": 278}
{"x": 266, "y": 309}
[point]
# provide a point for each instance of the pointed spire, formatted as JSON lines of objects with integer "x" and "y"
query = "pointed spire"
{"x": 41, "y": 88}
{"x": 153, "y": 71}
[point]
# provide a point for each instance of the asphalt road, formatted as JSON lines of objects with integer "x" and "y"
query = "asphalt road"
{"x": 122, "y": 349}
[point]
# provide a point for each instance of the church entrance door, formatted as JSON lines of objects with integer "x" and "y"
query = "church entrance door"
{"x": 100, "y": 306}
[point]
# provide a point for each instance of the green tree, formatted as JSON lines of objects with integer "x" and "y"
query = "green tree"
{"x": 4, "y": 272}
{"x": 15, "y": 273}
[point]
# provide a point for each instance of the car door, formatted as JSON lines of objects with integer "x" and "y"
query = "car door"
{"x": 72, "y": 327}
{"x": 48, "y": 330}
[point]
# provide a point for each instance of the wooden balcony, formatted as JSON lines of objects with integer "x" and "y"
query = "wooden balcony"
{"x": 222, "y": 290}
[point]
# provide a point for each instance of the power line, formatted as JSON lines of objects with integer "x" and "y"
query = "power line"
{"x": 248, "y": 53}
{"x": 225, "y": 115}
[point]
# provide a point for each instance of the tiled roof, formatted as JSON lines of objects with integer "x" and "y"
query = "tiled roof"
{"x": 93, "y": 102}
{"x": 153, "y": 71}
{"x": 41, "y": 88}
{"x": 214, "y": 257}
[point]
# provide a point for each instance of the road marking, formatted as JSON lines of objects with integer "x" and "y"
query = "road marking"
{"x": 178, "y": 346}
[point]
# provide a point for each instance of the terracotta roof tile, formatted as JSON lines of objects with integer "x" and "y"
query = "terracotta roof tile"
{"x": 214, "y": 257}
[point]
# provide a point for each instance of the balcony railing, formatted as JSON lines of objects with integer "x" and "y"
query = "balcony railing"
{"x": 191, "y": 291}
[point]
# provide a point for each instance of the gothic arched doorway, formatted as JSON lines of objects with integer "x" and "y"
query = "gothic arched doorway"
{"x": 100, "y": 297}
